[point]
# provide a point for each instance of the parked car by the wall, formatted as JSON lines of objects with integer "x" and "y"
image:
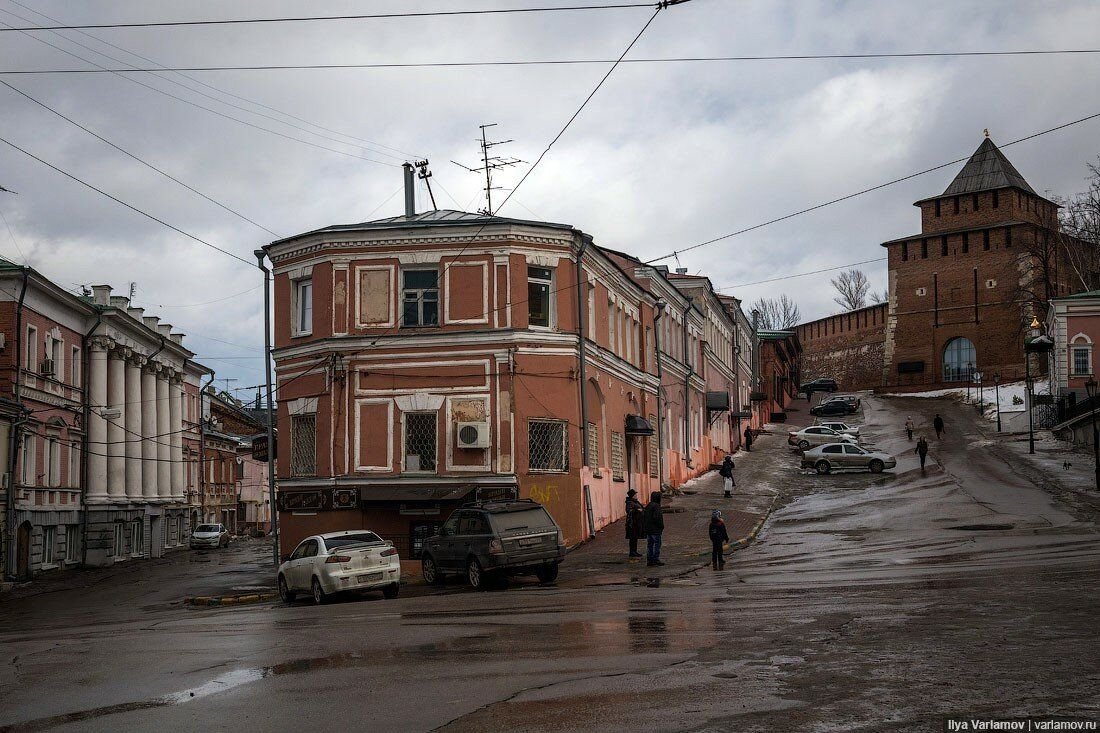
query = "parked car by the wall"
{"x": 852, "y": 401}
{"x": 841, "y": 427}
{"x": 816, "y": 435}
{"x": 491, "y": 540}
{"x": 339, "y": 562}
{"x": 830, "y": 408}
{"x": 822, "y": 384}
{"x": 209, "y": 536}
{"x": 840, "y": 456}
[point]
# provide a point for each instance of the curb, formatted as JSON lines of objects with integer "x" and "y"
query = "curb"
{"x": 733, "y": 546}
{"x": 229, "y": 600}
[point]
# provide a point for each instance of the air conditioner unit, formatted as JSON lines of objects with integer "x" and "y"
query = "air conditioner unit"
{"x": 47, "y": 367}
{"x": 472, "y": 434}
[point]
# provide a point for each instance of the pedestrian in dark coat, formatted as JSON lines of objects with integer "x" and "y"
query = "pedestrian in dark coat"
{"x": 748, "y": 438}
{"x": 909, "y": 427}
{"x": 654, "y": 523}
{"x": 726, "y": 472}
{"x": 634, "y": 530}
{"x": 937, "y": 423}
{"x": 922, "y": 451}
{"x": 718, "y": 538}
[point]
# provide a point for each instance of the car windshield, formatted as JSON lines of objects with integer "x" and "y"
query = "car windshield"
{"x": 208, "y": 528}
{"x": 360, "y": 538}
{"x": 526, "y": 519}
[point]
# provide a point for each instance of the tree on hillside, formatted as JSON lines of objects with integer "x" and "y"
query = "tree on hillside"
{"x": 777, "y": 313}
{"x": 851, "y": 287}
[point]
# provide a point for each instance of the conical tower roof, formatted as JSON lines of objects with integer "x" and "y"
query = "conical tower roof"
{"x": 987, "y": 169}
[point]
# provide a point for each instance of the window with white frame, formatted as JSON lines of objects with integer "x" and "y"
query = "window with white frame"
{"x": 592, "y": 311}
{"x": 75, "y": 368}
{"x": 72, "y": 542}
{"x": 49, "y": 544}
{"x": 30, "y": 460}
{"x": 303, "y": 307}
{"x": 120, "y": 541}
{"x": 31, "y": 362}
{"x": 137, "y": 537}
{"x": 53, "y": 462}
{"x": 303, "y": 446}
{"x": 610, "y": 324}
{"x": 421, "y": 439}
{"x": 74, "y": 465}
{"x": 547, "y": 445}
{"x": 539, "y": 282}
{"x": 419, "y": 298}
{"x": 55, "y": 349}
{"x": 1081, "y": 356}
{"x": 618, "y": 450}
{"x": 654, "y": 449}
{"x": 594, "y": 448}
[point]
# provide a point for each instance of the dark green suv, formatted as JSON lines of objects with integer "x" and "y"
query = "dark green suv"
{"x": 491, "y": 540}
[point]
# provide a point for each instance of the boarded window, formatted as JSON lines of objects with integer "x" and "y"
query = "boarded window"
{"x": 547, "y": 445}
{"x": 617, "y": 449}
{"x": 420, "y": 441}
{"x": 374, "y": 297}
{"x": 303, "y": 435}
{"x": 653, "y": 449}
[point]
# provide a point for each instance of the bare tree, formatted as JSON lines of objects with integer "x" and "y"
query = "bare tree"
{"x": 777, "y": 313}
{"x": 1079, "y": 218}
{"x": 878, "y": 298}
{"x": 851, "y": 287}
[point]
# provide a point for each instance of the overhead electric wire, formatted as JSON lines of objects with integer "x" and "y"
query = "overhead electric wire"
{"x": 137, "y": 158}
{"x": 128, "y": 206}
{"x": 318, "y": 18}
{"x": 801, "y": 274}
{"x": 563, "y": 62}
{"x": 863, "y": 191}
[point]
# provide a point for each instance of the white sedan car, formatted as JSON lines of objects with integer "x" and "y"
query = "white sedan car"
{"x": 337, "y": 562}
{"x": 817, "y": 435}
{"x": 840, "y": 427}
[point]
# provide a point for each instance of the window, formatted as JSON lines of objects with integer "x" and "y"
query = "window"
{"x": 966, "y": 242}
{"x": 611, "y": 316}
{"x": 473, "y": 523}
{"x": 924, "y": 249}
{"x": 303, "y": 449}
{"x": 618, "y": 473}
{"x": 592, "y": 312}
{"x": 71, "y": 543}
{"x": 937, "y": 208}
{"x": 594, "y": 448}
{"x": 959, "y": 357}
{"x": 853, "y": 450}
{"x": 32, "y": 349}
{"x": 956, "y": 205}
{"x": 75, "y": 380}
{"x": 904, "y": 251}
{"x": 419, "y": 298}
{"x": 419, "y": 533}
{"x": 653, "y": 449}
{"x": 943, "y": 246}
{"x": 977, "y": 202}
{"x": 547, "y": 445}
{"x": 1008, "y": 238}
{"x": 996, "y": 199}
{"x": 49, "y": 540}
{"x": 985, "y": 239}
{"x": 137, "y": 538}
{"x": 832, "y": 449}
{"x": 420, "y": 441}
{"x": 53, "y": 462}
{"x": 30, "y": 460}
{"x": 539, "y": 280}
{"x": 1081, "y": 352}
{"x": 120, "y": 541}
{"x": 303, "y": 307}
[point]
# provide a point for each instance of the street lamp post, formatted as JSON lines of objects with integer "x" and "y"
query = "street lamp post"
{"x": 997, "y": 396}
{"x": 1090, "y": 389}
{"x": 969, "y": 379}
{"x": 981, "y": 389}
{"x": 1039, "y": 343}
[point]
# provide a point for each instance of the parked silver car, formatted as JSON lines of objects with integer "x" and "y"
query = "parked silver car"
{"x": 827, "y": 458}
{"x": 815, "y": 435}
{"x": 841, "y": 427}
{"x": 336, "y": 562}
{"x": 209, "y": 535}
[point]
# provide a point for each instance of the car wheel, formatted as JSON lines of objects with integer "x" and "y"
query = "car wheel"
{"x": 803, "y": 444}
{"x": 475, "y": 576}
{"x": 547, "y": 573}
{"x": 430, "y": 571}
{"x": 822, "y": 467}
{"x": 391, "y": 590}
{"x": 285, "y": 593}
{"x": 319, "y": 595}
{"x": 876, "y": 466}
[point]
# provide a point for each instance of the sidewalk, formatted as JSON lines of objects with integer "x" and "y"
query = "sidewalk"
{"x": 686, "y": 546}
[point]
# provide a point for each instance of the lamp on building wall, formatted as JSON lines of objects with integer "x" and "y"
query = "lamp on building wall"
{"x": 1090, "y": 390}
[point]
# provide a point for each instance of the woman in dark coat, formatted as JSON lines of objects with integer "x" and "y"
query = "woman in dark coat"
{"x": 634, "y": 529}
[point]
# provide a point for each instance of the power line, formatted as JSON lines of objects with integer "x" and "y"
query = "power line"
{"x": 316, "y": 18}
{"x": 565, "y": 62}
{"x": 128, "y": 206}
{"x": 864, "y": 191}
{"x": 205, "y": 302}
{"x": 145, "y": 163}
{"x": 801, "y": 274}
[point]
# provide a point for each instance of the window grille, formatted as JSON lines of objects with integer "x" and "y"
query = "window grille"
{"x": 420, "y": 441}
{"x": 1081, "y": 360}
{"x": 594, "y": 447}
{"x": 547, "y": 445}
{"x": 654, "y": 459}
{"x": 303, "y": 449}
{"x": 617, "y": 471}
{"x": 420, "y": 298}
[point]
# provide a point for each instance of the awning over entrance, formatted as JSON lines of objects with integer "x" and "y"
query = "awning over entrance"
{"x": 638, "y": 425}
{"x": 718, "y": 401}
{"x": 742, "y": 415}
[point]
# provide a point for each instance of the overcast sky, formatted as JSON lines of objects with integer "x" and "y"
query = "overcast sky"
{"x": 665, "y": 156}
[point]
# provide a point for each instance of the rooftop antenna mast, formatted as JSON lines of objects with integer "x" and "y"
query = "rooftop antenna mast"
{"x": 490, "y": 163}
{"x": 425, "y": 175}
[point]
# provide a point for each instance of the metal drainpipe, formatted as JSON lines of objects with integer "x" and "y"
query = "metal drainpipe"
{"x": 274, "y": 514}
{"x": 687, "y": 392}
{"x": 85, "y": 370}
{"x": 202, "y": 449}
{"x": 658, "y": 311}
{"x": 13, "y": 442}
{"x": 582, "y": 358}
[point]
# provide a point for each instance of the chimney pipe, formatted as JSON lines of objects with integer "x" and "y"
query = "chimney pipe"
{"x": 410, "y": 192}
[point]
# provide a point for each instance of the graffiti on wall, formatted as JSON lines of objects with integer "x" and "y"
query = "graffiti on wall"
{"x": 544, "y": 494}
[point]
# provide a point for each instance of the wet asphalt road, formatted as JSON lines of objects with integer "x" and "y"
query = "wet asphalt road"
{"x": 868, "y": 603}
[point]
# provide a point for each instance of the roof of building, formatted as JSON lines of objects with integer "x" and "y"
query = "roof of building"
{"x": 768, "y": 334}
{"x": 949, "y": 232}
{"x": 987, "y": 169}
{"x": 1082, "y": 296}
{"x": 427, "y": 219}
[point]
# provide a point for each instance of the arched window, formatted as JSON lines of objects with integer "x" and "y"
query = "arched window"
{"x": 959, "y": 360}
{"x": 1080, "y": 356}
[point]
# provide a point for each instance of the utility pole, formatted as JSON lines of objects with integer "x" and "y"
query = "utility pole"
{"x": 490, "y": 163}
{"x": 425, "y": 175}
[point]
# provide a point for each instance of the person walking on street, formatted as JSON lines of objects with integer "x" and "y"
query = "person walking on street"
{"x": 909, "y": 427}
{"x": 922, "y": 451}
{"x": 634, "y": 511}
{"x": 748, "y": 437}
{"x": 937, "y": 423}
{"x": 654, "y": 523}
{"x": 726, "y": 472}
{"x": 718, "y": 539}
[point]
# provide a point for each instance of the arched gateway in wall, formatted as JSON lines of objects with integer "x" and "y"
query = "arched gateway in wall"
{"x": 960, "y": 359}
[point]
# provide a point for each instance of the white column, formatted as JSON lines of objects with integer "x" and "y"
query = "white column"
{"x": 176, "y": 419}
{"x": 164, "y": 452}
{"x": 116, "y": 402}
{"x": 133, "y": 427}
{"x": 96, "y": 455}
{"x": 149, "y": 428}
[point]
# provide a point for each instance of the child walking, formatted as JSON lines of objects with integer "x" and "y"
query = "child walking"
{"x": 718, "y": 538}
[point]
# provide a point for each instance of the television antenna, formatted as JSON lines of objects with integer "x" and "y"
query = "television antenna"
{"x": 490, "y": 163}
